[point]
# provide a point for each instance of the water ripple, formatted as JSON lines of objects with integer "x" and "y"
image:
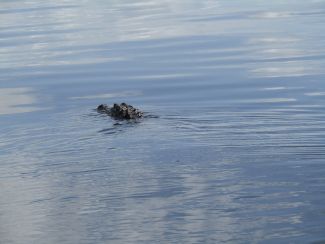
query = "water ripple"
{"x": 232, "y": 145}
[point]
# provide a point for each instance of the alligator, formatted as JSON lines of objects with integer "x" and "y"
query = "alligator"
{"x": 120, "y": 111}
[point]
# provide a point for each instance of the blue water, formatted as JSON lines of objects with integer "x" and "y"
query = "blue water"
{"x": 234, "y": 151}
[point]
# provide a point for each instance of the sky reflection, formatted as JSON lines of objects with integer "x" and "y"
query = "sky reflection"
{"x": 233, "y": 151}
{"x": 71, "y": 24}
{"x": 17, "y": 100}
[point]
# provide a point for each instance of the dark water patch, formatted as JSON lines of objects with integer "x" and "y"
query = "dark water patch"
{"x": 90, "y": 171}
{"x": 35, "y": 34}
{"x": 109, "y": 131}
{"x": 34, "y": 26}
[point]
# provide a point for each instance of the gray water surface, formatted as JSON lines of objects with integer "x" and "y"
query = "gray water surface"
{"x": 234, "y": 149}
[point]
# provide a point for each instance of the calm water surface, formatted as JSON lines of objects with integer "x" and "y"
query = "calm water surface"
{"x": 234, "y": 151}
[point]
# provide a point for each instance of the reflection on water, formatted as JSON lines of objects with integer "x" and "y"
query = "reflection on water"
{"x": 124, "y": 94}
{"x": 233, "y": 149}
{"x": 17, "y": 100}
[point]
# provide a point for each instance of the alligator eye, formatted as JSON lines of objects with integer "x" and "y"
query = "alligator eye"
{"x": 101, "y": 107}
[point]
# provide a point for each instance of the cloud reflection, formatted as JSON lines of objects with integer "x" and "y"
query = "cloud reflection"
{"x": 315, "y": 94}
{"x": 92, "y": 24}
{"x": 285, "y": 70}
{"x": 17, "y": 100}
{"x": 110, "y": 95}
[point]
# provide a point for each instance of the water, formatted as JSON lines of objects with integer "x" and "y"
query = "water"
{"x": 234, "y": 151}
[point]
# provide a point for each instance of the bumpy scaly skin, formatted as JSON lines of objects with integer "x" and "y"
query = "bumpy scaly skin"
{"x": 120, "y": 111}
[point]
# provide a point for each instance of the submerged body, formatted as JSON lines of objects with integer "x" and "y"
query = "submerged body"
{"x": 120, "y": 111}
